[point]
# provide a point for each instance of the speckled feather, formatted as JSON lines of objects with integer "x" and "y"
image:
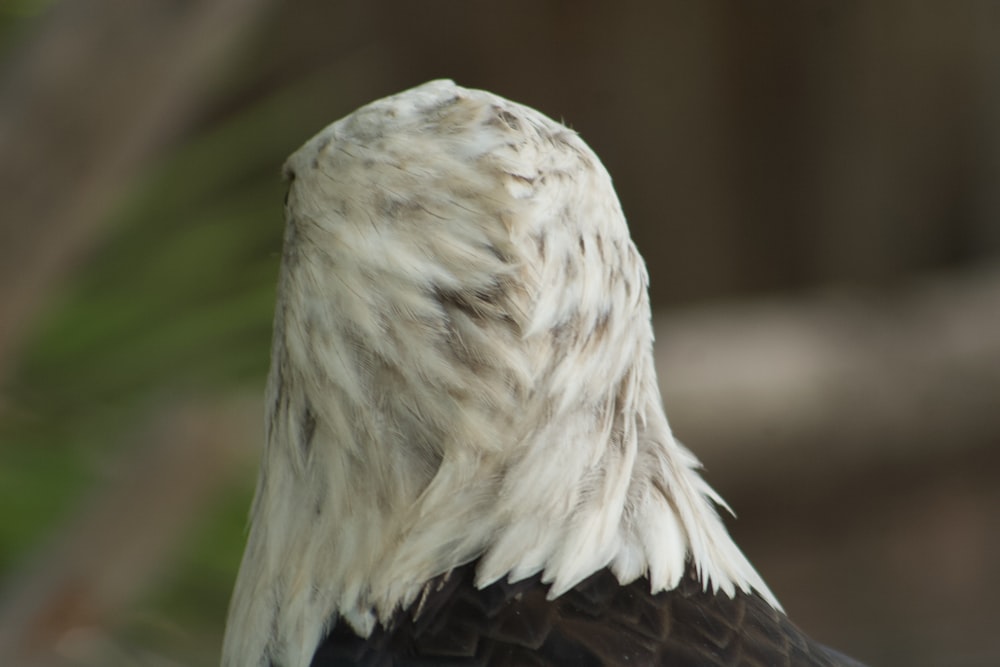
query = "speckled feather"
{"x": 461, "y": 372}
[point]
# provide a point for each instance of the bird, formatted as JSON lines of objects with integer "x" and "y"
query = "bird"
{"x": 467, "y": 460}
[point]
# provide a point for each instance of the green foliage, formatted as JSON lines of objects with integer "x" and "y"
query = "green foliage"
{"x": 177, "y": 298}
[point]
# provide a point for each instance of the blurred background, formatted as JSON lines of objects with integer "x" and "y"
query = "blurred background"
{"x": 815, "y": 187}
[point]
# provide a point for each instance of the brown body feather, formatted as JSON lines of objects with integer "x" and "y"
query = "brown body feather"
{"x": 599, "y": 623}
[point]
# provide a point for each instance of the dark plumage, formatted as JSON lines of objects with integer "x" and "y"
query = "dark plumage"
{"x": 599, "y": 623}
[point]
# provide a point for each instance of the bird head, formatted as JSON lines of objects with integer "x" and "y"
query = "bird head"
{"x": 461, "y": 369}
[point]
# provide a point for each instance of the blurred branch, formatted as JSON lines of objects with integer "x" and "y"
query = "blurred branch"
{"x": 132, "y": 73}
{"x": 810, "y": 389}
{"x": 61, "y": 609}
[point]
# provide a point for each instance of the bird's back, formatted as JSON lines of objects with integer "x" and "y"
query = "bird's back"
{"x": 597, "y": 623}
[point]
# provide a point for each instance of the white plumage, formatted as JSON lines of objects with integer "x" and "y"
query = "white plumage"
{"x": 462, "y": 369}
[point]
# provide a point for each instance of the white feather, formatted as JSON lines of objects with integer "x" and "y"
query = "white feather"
{"x": 462, "y": 368}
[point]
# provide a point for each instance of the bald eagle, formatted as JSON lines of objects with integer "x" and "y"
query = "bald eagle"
{"x": 467, "y": 461}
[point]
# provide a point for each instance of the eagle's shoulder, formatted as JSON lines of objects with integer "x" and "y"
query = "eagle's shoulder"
{"x": 597, "y": 623}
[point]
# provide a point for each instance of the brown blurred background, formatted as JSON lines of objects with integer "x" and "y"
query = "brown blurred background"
{"x": 815, "y": 187}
